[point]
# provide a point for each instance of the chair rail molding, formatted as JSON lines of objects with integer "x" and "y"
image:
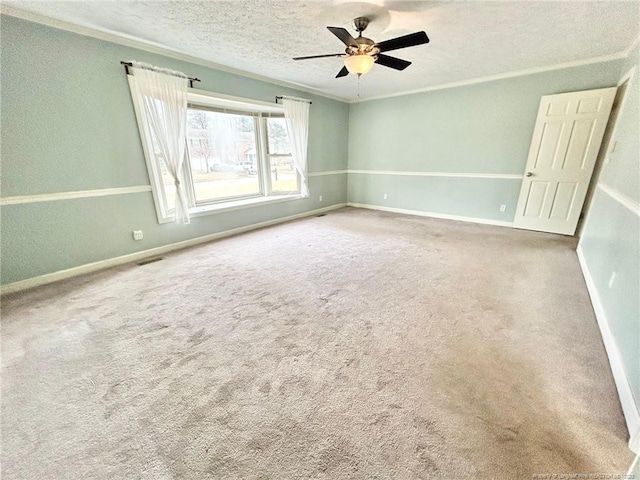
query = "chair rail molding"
{"x": 508, "y": 176}
{"x": 621, "y": 198}
{"x": 50, "y": 197}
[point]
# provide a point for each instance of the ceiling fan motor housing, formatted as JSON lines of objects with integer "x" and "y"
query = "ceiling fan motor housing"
{"x": 365, "y": 45}
{"x": 360, "y": 24}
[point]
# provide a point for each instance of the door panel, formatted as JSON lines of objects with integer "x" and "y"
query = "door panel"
{"x": 581, "y": 133}
{"x": 564, "y": 147}
{"x": 558, "y": 107}
{"x": 589, "y": 105}
{"x": 563, "y": 200}
{"x": 535, "y": 199}
{"x": 548, "y": 149}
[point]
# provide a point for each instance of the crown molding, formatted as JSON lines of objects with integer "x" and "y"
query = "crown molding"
{"x": 633, "y": 45}
{"x": 516, "y": 73}
{"x": 152, "y": 47}
{"x": 503, "y": 76}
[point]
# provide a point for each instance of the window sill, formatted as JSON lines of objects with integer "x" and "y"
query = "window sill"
{"x": 238, "y": 205}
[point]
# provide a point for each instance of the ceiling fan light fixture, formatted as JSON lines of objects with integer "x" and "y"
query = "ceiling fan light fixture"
{"x": 362, "y": 52}
{"x": 359, "y": 64}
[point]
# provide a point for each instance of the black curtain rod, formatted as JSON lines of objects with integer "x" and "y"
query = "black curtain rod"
{"x": 129, "y": 64}
{"x": 279, "y": 97}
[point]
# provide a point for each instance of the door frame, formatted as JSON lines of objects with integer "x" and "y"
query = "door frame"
{"x": 603, "y": 154}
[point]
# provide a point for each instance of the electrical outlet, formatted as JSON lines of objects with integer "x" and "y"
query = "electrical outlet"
{"x": 503, "y": 208}
{"x": 612, "y": 279}
{"x": 137, "y": 235}
{"x": 385, "y": 196}
{"x": 320, "y": 198}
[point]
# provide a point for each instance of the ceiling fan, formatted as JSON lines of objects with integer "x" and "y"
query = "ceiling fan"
{"x": 362, "y": 52}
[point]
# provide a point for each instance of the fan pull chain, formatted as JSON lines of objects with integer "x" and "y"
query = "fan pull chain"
{"x": 358, "y": 95}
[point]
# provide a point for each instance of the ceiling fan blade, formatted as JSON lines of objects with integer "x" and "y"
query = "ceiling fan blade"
{"x": 410, "y": 40}
{"x": 392, "y": 62}
{"x": 320, "y": 56}
{"x": 344, "y": 36}
{"x": 343, "y": 73}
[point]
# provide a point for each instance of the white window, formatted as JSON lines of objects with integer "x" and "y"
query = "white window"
{"x": 238, "y": 155}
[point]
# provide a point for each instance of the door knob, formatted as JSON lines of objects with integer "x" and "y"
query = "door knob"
{"x": 529, "y": 174}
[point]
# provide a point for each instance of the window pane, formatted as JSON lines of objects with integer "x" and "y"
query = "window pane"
{"x": 278, "y": 136}
{"x": 284, "y": 178}
{"x": 222, "y": 154}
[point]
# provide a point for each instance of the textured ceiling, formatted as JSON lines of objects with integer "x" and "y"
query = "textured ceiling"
{"x": 468, "y": 39}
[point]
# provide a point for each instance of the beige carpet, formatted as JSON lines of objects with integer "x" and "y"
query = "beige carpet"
{"x": 353, "y": 345}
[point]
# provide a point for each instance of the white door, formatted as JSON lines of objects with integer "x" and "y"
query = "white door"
{"x": 564, "y": 148}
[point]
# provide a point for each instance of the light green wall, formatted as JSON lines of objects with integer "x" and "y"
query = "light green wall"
{"x": 467, "y": 197}
{"x": 68, "y": 124}
{"x": 482, "y": 128}
{"x": 611, "y": 236}
{"x": 611, "y": 243}
{"x": 623, "y": 172}
{"x": 40, "y": 238}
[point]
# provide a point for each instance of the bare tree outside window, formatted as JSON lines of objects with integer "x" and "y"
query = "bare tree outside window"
{"x": 284, "y": 178}
{"x": 222, "y": 155}
{"x": 199, "y": 131}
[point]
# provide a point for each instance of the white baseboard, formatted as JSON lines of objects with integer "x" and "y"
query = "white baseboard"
{"x": 634, "y": 470}
{"x": 152, "y": 252}
{"x": 634, "y": 444}
{"x": 460, "y": 218}
{"x": 629, "y": 407}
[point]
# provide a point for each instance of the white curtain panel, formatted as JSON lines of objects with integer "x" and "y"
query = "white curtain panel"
{"x": 163, "y": 94}
{"x": 296, "y": 114}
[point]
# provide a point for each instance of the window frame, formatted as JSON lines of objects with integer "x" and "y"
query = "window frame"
{"x": 260, "y": 111}
{"x": 193, "y": 201}
{"x": 268, "y": 155}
